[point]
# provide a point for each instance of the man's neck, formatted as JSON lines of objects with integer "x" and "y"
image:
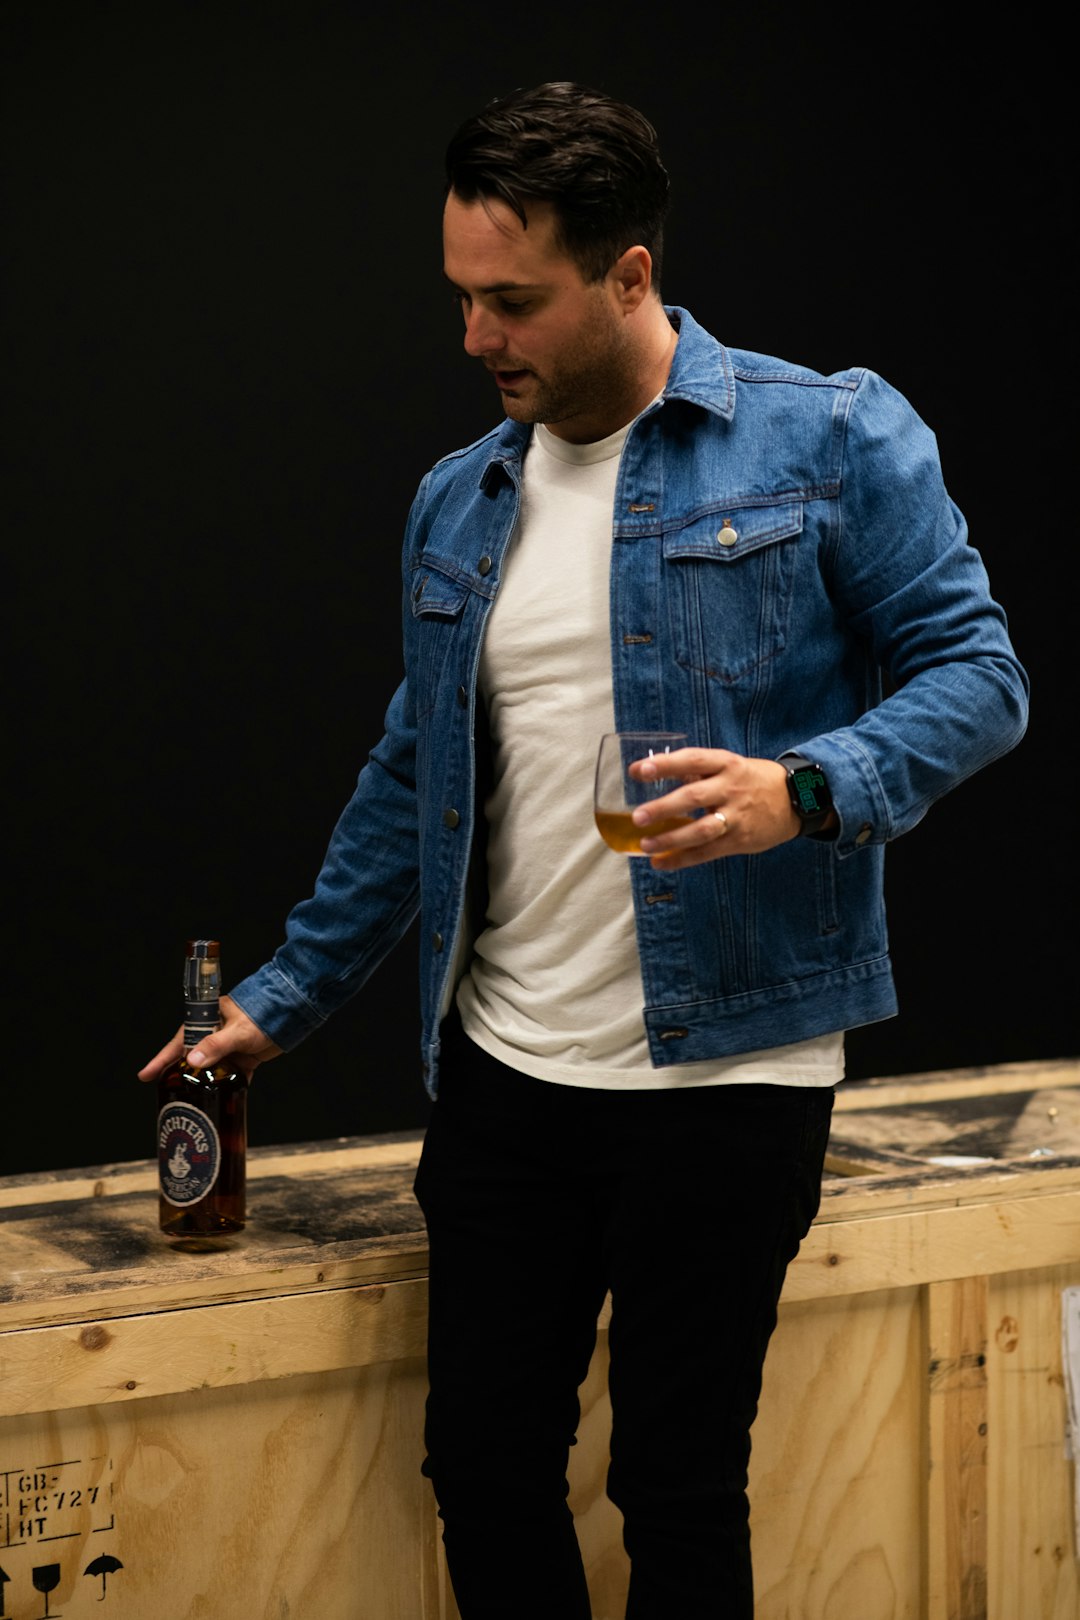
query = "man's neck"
{"x": 659, "y": 339}
{"x": 654, "y": 340}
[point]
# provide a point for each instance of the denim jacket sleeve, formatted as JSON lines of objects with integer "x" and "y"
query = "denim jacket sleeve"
{"x": 366, "y": 895}
{"x": 907, "y": 580}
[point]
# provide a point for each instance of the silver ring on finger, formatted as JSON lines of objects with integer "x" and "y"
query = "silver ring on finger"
{"x": 723, "y": 820}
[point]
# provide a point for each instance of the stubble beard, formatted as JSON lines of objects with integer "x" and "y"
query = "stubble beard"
{"x": 588, "y": 384}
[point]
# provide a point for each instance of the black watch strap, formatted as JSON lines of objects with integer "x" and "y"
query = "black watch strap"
{"x": 808, "y": 790}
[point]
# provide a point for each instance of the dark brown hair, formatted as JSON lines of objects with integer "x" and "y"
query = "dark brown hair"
{"x": 594, "y": 159}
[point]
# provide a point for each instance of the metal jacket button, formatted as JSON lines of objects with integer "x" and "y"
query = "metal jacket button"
{"x": 463, "y": 697}
{"x": 864, "y": 833}
{"x": 450, "y": 818}
{"x": 727, "y": 535}
{"x": 436, "y": 941}
{"x": 484, "y": 565}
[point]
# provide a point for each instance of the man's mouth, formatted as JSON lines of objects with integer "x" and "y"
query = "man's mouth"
{"x": 509, "y": 380}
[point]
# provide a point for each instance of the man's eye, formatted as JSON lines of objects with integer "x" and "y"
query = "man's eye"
{"x": 514, "y": 305}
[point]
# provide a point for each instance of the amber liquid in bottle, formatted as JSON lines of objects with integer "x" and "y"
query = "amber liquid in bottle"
{"x": 202, "y": 1121}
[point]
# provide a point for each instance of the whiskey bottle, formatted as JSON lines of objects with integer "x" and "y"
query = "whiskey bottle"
{"x": 202, "y": 1119}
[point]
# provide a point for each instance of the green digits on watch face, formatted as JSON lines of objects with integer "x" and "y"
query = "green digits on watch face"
{"x": 808, "y": 791}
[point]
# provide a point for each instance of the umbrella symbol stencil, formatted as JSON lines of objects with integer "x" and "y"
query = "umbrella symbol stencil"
{"x": 104, "y": 1567}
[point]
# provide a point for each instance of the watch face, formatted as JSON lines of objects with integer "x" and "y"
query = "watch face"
{"x": 813, "y": 795}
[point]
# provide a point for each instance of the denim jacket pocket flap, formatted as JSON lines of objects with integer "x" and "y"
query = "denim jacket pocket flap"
{"x": 434, "y": 596}
{"x": 725, "y": 535}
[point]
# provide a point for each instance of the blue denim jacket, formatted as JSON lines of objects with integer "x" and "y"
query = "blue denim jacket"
{"x": 781, "y": 539}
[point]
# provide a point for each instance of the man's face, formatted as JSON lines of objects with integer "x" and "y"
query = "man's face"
{"x": 556, "y": 345}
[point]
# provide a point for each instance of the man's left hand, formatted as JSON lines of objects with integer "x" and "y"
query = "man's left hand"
{"x": 741, "y": 806}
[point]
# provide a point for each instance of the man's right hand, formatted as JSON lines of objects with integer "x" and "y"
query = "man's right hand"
{"x": 238, "y": 1037}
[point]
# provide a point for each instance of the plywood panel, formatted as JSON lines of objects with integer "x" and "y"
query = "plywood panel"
{"x": 136, "y": 1357}
{"x": 957, "y": 1527}
{"x": 838, "y": 1465}
{"x": 1034, "y": 1572}
{"x": 936, "y": 1244}
{"x": 285, "y": 1500}
{"x": 996, "y": 1079}
{"x": 70, "y": 1260}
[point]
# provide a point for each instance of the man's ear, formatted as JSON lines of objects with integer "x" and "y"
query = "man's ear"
{"x": 631, "y": 275}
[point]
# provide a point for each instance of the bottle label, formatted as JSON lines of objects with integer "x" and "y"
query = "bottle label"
{"x": 200, "y": 1018}
{"x": 189, "y": 1153}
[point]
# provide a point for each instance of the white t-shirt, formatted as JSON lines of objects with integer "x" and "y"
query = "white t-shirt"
{"x": 554, "y": 987}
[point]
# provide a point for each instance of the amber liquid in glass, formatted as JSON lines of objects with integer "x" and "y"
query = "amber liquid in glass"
{"x": 617, "y": 828}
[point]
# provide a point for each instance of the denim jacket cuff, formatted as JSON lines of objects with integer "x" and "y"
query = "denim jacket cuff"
{"x": 857, "y": 792}
{"x": 281, "y": 1011}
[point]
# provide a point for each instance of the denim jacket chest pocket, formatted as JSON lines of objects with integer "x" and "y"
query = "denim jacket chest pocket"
{"x": 438, "y": 602}
{"x": 729, "y": 579}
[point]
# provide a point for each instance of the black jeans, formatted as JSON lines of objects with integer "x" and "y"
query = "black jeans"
{"x": 538, "y": 1198}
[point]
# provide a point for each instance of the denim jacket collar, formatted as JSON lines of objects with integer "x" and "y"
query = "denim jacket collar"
{"x": 701, "y": 369}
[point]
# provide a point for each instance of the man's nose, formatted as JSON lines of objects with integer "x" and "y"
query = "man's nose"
{"x": 483, "y": 333}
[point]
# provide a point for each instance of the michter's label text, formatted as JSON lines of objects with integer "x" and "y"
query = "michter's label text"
{"x": 189, "y": 1153}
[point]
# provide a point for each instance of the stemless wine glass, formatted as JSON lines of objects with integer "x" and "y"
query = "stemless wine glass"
{"x": 618, "y": 793}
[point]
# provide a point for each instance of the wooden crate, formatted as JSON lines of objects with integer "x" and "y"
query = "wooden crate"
{"x": 910, "y": 1457}
{"x": 242, "y": 1430}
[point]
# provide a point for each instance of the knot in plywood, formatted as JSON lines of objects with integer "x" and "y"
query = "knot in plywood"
{"x": 95, "y": 1337}
{"x": 1007, "y": 1336}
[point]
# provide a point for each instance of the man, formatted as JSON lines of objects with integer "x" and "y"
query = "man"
{"x": 634, "y": 1060}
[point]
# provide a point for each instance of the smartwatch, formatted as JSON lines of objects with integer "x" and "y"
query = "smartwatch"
{"x": 809, "y": 793}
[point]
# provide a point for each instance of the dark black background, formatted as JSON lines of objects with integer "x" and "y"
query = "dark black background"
{"x": 229, "y": 358}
